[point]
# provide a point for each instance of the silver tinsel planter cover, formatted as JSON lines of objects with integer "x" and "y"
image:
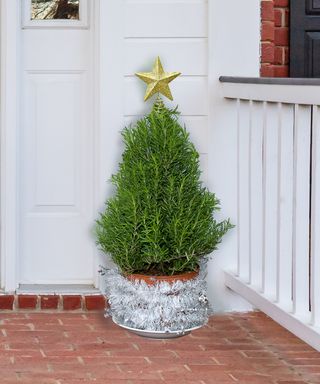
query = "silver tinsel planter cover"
{"x": 157, "y": 309}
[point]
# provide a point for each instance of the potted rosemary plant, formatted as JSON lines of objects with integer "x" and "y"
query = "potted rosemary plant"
{"x": 160, "y": 222}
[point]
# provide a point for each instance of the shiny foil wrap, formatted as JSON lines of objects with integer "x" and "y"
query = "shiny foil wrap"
{"x": 160, "y": 307}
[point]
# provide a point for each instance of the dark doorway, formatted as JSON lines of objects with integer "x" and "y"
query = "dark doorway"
{"x": 305, "y": 38}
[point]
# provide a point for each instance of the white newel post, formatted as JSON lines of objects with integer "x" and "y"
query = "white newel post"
{"x": 238, "y": 57}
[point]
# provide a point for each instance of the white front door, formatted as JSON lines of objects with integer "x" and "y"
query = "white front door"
{"x": 55, "y": 241}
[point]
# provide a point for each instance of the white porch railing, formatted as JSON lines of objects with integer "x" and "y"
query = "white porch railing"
{"x": 278, "y": 199}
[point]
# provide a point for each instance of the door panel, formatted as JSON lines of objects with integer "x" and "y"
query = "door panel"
{"x": 53, "y": 114}
{"x": 313, "y": 7}
{"x": 305, "y": 38}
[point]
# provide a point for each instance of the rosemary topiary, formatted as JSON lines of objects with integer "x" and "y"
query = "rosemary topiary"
{"x": 160, "y": 220}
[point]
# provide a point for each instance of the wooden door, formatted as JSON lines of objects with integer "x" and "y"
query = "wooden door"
{"x": 56, "y": 147}
{"x": 305, "y": 38}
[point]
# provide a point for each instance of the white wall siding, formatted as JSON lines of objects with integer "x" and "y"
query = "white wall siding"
{"x": 133, "y": 33}
{"x": 177, "y": 31}
{"x": 139, "y": 53}
{"x": 189, "y": 92}
{"x": 166, "y": 18}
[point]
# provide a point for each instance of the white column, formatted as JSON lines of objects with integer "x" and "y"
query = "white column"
{"x": 227, "y": 58}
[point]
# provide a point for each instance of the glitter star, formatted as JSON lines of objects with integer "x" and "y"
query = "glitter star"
{"x": 158, "y": 80}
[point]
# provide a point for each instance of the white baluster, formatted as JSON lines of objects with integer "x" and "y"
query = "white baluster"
{"x": 270, "y": 199}
{"x": 302, "y": 122}
{"x": 243, "y": 189}
{"x": 256, "y": 194}
{"x": 285, "y": 203}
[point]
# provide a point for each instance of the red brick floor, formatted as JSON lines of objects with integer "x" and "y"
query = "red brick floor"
{"x": 69, "y": 348}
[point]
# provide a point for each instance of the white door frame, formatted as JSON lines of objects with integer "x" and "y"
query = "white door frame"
{"x": 9, "y": 109}
{"x": 112, "y": 100}
{"x": 10, "y": 30}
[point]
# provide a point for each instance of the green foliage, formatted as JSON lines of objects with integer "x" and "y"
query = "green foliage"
{"x": 160, "y": 220}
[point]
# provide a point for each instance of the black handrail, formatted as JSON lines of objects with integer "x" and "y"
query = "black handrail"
{"x": 270, "y": 80}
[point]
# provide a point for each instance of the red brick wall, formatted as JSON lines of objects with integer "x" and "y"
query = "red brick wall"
{"x": 52, "y": 302}
{"x": 274, "y": 38}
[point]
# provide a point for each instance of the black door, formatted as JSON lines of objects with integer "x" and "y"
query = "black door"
{"x": 305, "y": 38}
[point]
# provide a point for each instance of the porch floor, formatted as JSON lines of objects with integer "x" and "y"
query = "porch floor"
{"x": 68, "y": 348}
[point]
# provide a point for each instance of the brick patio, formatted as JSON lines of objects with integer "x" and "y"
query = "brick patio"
{"x": 69, "y": 347}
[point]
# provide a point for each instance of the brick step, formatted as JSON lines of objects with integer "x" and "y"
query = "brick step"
{"x": 16, "y": 302}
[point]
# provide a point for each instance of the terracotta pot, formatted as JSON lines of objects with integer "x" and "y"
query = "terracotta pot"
{"x": 153, "y": 279}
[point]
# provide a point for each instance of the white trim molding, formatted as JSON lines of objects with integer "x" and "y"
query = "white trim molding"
{"x": 275, "y": 93}
{"x": 111, "y": 102}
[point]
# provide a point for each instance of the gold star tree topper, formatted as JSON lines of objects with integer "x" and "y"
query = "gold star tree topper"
{"x": 158, "y": 80}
